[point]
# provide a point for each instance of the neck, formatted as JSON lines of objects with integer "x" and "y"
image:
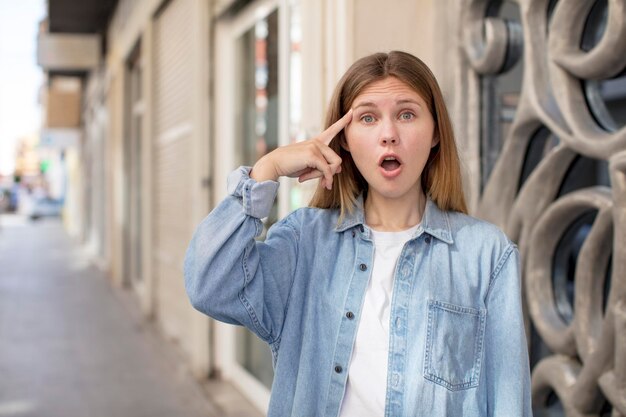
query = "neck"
{"x": 394, "y": 214}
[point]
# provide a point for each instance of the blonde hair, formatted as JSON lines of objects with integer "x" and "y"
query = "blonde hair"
{"x": 441, "y": 177}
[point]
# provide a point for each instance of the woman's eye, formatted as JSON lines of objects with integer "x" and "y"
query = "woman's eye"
{"x": 367, "y": 119}
{"x": 407, "y": 116}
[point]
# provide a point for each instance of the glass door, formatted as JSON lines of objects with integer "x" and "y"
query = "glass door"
{"x": 254, "y": 90}
{"x": 133, "y": 168}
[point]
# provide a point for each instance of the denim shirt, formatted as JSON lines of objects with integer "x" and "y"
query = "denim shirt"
{"x": 457, "y": 345}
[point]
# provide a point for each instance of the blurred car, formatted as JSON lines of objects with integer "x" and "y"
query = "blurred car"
{"x": 45, "y": 207}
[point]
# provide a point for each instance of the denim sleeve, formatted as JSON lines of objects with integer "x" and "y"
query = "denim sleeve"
{"x": 506, "y": 351}
{"x": 234, "y": 278}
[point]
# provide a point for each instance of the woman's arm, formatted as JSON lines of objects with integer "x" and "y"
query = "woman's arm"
{"x": 507, "y": 372}
{"x": 232, "y": 277}
{"x": 228, "y": 274}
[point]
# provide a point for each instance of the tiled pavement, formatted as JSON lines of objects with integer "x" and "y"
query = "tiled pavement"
{"x": 71, "y": 345}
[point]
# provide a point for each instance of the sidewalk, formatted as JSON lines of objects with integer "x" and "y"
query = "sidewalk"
{"x": 73, "y": 346}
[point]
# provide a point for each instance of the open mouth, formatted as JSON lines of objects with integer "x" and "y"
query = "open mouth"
{"x": 390, "y": 163}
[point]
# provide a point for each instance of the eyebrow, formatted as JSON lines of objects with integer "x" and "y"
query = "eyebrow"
{"x": 372, "y": 104}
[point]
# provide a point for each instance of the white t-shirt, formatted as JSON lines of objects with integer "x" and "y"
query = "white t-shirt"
{"x": 367, "y": 374}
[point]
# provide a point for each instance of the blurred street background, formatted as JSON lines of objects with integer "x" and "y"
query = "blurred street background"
{"x": 74, "y": 346}
{"x": 121, "y": 119}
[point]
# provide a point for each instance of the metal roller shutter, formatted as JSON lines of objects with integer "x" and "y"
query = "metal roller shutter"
{"x": 173, "y": 134}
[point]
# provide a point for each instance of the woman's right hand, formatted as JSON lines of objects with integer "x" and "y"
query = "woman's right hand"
{"x": 312, "y": 158}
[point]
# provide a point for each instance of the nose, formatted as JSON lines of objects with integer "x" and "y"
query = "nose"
{"x": 389, "y": 133}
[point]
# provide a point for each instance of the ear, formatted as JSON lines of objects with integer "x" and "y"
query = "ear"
{"x": 435, "y": 141}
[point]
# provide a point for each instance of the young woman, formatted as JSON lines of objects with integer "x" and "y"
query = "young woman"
{"x": 383, "y": 298}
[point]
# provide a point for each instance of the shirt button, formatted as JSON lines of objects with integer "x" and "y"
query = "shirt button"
{"x": 350, "y": 315}
{"x": 427, "y": 239}
{"x": 363, "y": 267}
{"x": 338, "y": 369}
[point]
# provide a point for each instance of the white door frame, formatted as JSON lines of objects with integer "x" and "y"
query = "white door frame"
{"x": 228, "y": 31}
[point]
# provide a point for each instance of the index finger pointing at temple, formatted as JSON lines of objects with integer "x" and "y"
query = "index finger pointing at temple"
{"x": 329, "y": 134}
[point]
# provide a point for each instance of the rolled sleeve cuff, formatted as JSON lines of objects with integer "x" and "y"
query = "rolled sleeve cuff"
{"x": 257, "y": 197}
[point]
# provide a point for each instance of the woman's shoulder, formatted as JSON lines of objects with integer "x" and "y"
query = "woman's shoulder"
{"x": 469, "y": 231}
{"x": 479, "y": 241}
{"x": 465, "y": 223}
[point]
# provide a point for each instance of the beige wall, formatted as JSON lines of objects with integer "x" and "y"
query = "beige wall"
{"x": 64, "y": 51}
{"x": 94, "y": 117}
{"x": 424, "y": 28}
{"x": 405, "y": 25}
{"x": 115, "y": 149}
{"x": 131, "y": 22}
{"x": 62, "y": 103}
{"x": 220, "y": 6}
{"x": 62, "y": 109}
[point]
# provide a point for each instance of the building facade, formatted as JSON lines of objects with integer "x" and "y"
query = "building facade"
{"x": 184, "y": 91}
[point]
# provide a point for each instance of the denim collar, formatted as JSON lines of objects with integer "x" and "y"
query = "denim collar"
{"x": 434, "y": 221}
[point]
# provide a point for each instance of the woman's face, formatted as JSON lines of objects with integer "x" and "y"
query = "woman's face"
{"x": 390, "y": 138}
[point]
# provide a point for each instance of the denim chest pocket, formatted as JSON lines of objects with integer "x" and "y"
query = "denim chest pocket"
{"x": 454, "y": 345}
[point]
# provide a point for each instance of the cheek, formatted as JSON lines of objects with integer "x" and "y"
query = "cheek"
{"x": 356, "y": 134}
{"x": 422, "y": 137}
{"x": 354, "y": 137}
{"x": 355, "y": 145}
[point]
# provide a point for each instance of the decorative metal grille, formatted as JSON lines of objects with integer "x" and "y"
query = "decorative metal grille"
{"x": 557, "y": 184}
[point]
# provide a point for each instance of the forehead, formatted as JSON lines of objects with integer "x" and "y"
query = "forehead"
{"x": 390, "y": 88}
